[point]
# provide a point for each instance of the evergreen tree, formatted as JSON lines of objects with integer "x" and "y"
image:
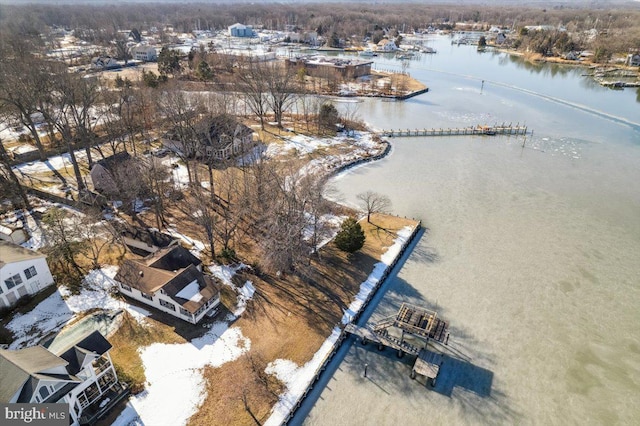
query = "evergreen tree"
{"x": 351, "y": 237}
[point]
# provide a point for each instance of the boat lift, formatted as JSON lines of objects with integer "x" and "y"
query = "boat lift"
{"x": 417, "y": 322}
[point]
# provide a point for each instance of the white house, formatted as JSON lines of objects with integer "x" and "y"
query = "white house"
{"x": 80, "y": 375}
{"x": 386, "y": 45}
{"x": 22, "y": 272}
{"x": 170, "y": 280}
{"x": 144, "y": 52}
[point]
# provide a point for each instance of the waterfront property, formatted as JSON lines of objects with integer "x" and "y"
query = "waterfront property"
{"x": 324, "y": 67}
{"x": 80, "y": 374}
{"x": 170, "y": 280}
{"x": 22, "y": 272}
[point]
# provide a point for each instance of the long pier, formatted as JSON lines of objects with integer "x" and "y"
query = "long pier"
{"x": 504, "y": 129}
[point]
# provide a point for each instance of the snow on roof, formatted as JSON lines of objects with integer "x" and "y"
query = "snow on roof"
{"x": 191, "y": 292}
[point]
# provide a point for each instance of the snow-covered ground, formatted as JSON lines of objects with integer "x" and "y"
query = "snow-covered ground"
{"x": 175, "y": 385}
{"x": 55, "y": 311}
{"x": 297, "y": 378}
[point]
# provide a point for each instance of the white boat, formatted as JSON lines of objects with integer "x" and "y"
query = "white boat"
{"x": 368, "y": 53}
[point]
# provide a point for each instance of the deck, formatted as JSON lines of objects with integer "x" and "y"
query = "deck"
{"x": 418, "y": 322}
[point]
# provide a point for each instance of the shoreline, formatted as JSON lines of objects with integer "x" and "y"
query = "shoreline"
{"x": 334, "y": 343}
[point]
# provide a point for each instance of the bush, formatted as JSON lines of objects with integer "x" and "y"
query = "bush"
{"x": 351, "y": 237}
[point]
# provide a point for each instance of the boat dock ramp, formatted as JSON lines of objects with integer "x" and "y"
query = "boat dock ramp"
{"x": 504, "y": 129}
{"x": 416, "y": 322}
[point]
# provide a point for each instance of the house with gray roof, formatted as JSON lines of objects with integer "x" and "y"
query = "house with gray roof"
{"x": 80, "y": 374}
{"x": 22, "y": 272}
{"x": 170, "y": 280}
{"x": 213, "y": 138}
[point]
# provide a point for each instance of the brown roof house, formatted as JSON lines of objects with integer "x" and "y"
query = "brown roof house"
{"x": 170, "y": 280}
{"x": 80, "y": 374}
{"x": 218, "y": 138}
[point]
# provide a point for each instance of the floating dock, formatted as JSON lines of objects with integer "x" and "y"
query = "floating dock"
{"x": 417, "y": 322}
{"x": 504, "y": 129}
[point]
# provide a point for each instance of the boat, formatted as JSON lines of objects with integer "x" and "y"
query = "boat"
{"x": 368, "y": 53}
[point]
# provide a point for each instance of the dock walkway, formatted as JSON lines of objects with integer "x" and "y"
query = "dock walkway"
{"x": 504, "y": 129}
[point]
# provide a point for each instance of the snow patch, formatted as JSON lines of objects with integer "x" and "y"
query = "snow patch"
{"x": 372, "y": 280}
{"x": 296, "y": 379}
{"x": 175, "y": 385}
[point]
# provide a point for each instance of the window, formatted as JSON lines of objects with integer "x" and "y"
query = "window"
{"x": 13, "y": 281}
{"x": 30, "y": 272}
{"x": 125, "y": 287}
{"x": 44, "y": 392}
{"x": 106, "y": 381}
{"x": 184, "y": 312}
{"x": 167, "y": 305}
{"x": 146, "y": 296}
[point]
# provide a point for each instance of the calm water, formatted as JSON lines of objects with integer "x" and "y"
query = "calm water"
{"x": 532, "y": 254}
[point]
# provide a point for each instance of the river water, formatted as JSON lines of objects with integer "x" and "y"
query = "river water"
{"x": 532, "y": 254}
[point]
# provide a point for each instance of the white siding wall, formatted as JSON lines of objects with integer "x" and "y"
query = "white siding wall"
{"x": 32, "y": 285}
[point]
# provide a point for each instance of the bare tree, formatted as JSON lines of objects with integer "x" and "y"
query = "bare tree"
{"x": 7, "y": 174}
{"x": 282, "y": 86}
{"x": 253, "y": 83}
{"x": 373, "y": 202}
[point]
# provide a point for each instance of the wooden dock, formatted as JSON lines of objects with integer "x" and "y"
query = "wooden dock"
{"x": 418, "y": 322}
{"x": 504, "y": 129}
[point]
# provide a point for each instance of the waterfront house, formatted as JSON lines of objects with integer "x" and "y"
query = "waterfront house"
{"x": 386, "y": 45}
{"x": 79, "y": 374}
{"x": 633, "y": 59}
{"x": 170, "y": 280}
{"x": 218, "y": 138}
{"x": 337, "y": 68}
{"x": 22, "y": 272}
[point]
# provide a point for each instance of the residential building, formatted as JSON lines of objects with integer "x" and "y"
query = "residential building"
{"x": 104, "y": 63}
{"x": 14, "y": 233}
{"x": 144, "y": 52}
{"x": 386, "y": 45}
{"x": 217, "y": 138}
{"x": 239, "y": 30}
{"x": 170, "y": 280}
{"x": 80, "y": 374}
{"x": 633, "y": 59}
{"x": 106, "y": 172}
{"x": 321, "y": 66}
{"x": 22, "y": 272}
